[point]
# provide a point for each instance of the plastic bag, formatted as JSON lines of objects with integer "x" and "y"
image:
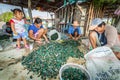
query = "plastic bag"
{"x": 102, "y": 64}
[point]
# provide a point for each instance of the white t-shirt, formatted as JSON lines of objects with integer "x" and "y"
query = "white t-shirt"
{"x": 19, "y": 25}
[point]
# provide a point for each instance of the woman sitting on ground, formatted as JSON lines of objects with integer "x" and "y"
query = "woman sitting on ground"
{"x": 36, "y": 31}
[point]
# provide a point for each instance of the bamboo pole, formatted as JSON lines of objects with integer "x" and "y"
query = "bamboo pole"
{"x": 29, "y": 11}
{"x": 88, "y": 20}
{"x": 100, "y": 13}
{"x": 70, "y": 13}
{"x": 97, "y": 13}
{"x": 73, "y": 11}
{"x": 62, "y": 13}
{"x": 103, "y": 12}
{"x": 23, "y": 11}
{"x": 90, "y": 17}
{"x": 80, "y": 9}
{"x": 92, "y": 12}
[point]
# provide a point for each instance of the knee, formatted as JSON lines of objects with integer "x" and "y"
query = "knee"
{"x": 76, "y": 33}
{"x": 41, "y": 31}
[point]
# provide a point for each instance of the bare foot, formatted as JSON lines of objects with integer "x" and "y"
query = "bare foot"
{"x": 47, "y": 41}
{"x": 39, "y": 42}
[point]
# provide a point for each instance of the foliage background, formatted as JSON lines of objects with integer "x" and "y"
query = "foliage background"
{"x": 6, "y": 16}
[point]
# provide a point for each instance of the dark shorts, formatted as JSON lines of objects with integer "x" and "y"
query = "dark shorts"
{"x": 76, "y": 30}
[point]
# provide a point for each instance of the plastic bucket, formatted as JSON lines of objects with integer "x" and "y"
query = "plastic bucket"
{"x": 74, "y": 66}
{"x": 53, "y": 32}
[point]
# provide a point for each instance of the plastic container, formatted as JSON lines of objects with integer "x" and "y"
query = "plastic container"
{"x": 31, "y": 46}
{"x": 53, "y": 32}
{"x": 68, "y": 65}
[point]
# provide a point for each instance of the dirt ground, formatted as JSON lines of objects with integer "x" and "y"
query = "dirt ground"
{"x": 11, "y": 67}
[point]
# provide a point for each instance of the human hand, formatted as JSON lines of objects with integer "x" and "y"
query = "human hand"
{"x": 73, "y": 38}
{"x": 15, "y": 33}
{"x": 76, "y": 39}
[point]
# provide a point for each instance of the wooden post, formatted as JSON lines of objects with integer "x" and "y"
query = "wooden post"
{"x": 29, "y": 11}
{"x": 23, "y": 11}
{"x": 89, "y": 19}
{"x": 72, "y": 13}
{"x": 92, "y": 13}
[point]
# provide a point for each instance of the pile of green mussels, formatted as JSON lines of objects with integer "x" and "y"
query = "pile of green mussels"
{"x": 73, "y": 74}
{"x": 48, "y": 59}
{"x": 54, "y": 36}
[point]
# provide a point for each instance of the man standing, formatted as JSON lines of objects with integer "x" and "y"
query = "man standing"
{"x": 74, "y": 31}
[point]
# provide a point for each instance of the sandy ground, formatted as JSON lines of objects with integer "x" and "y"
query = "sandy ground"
{"x": 11, "y": 67}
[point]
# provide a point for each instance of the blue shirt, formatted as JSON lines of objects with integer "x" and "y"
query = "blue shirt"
{"x": 72, "y": 29}
{"x": 34, "y": 28}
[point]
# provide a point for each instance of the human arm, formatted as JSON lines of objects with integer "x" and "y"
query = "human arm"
{"x": 13, "y": 27}
{"x": 70, "y": 33}
{"x": 31, "y": 35}
{"x": 71, "y": 37}
{"x": 93, "y": 38}
{"x": 31, "y": 32}
{"x": 78, "y": 37}
{"x": 26, "y": 22}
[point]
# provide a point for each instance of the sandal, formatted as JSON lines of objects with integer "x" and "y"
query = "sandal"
{"x": 26, "y": 46}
